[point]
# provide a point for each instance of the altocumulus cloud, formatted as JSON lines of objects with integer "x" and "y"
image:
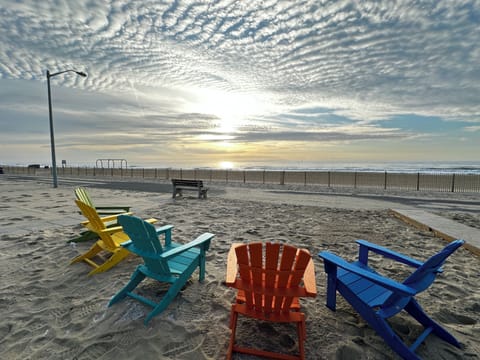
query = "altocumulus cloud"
{"x": 326, "y": 70}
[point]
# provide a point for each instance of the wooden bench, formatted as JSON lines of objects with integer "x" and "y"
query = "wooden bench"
{"x": 180, "y": 184}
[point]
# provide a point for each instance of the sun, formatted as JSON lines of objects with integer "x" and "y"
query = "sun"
{"x": 232, "y": 109}
{"x": 225, "y": 165}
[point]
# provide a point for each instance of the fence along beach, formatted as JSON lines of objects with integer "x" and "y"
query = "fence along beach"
{"x": 386, "y": 180}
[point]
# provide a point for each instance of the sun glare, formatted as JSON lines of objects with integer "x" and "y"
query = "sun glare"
{"x": 225, "y": 164}
{"x": 232, "y": 109}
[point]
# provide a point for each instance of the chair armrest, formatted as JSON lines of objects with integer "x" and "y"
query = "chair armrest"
{"x": 309, "y": 279}
{"x": 114, "y": 207}
{"x": 164, "y": 229}
{"x": 387, "y": 283}
{"x": 167, "y": 231}
{"x": 110, "y": 230}
{"x": 388, "y": 253}
{"x": 202, "y": 241}
{"x": 113, "y": 217}
{"x": 232, "y": 265}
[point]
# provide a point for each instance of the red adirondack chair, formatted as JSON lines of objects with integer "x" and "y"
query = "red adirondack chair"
{"x": 270, "y": 280}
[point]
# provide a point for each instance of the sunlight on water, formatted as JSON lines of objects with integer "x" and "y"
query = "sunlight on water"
{"x": 226, "y": 165}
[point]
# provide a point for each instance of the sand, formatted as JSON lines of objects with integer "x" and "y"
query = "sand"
{"x": 52, "y": 310}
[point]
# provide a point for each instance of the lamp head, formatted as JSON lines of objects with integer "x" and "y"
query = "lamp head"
{"x": 81, "y": 73}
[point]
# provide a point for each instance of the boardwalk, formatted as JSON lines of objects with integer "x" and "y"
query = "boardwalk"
{"x": 441, "y": 227}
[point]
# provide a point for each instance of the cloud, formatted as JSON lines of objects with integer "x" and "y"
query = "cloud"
{"x": 149, "y": 62}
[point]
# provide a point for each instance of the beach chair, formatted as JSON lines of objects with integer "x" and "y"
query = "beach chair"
{"x": 171, "y": 263}
{"x": 270, "y": 280}
{"x": 110, "y": 239}
{"x": 82, "y": 195}
{"x": 377, "y": 298}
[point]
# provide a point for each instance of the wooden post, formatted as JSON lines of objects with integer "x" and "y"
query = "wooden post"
{"x": 453, "y": 183}
{"x": 385, "y": 181}
{"x": 418, "y": 181}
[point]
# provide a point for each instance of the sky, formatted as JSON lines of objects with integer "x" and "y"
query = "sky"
{"x": 240, "y": 83}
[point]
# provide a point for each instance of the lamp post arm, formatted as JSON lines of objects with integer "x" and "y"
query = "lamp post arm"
{"x": 61, "y": 72}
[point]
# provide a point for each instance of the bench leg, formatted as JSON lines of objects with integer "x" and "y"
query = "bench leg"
{"x": 176, "y": 191}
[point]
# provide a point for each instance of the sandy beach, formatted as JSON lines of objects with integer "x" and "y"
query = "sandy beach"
{"x": 53, "y": 310}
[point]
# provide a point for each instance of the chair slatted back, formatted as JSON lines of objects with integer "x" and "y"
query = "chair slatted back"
{"x": 82, "y": 195}
{"x": 271, "y": 279}
{"x": 95, "y": 223}
{"x": 423, "y": 277}
{"x": 145, "y": 240}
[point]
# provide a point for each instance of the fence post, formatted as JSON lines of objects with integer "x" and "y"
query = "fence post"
{"x": 329, "y": 179}
{"x": 355, "y": 180}
{"x": 418, "y": 181}
{"x": 453, "y": 183}
{"x": 304, "y": 178}
{"x": 282, "y": 178}
{"x": 244, "y": 176}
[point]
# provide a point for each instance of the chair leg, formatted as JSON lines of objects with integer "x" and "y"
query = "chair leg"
{"x": 94, "y": 250}
{"x": 233, "y": 326}
{"x": 135, "y": 279}
{"x": 201, "y": 266}
{"x": 117, "y": 256}
{"x": 414, "y": 309}
{"x": 331, "y": 290}
{"x": 301, "y": 330}
{"x": 167, "y": 298}
{"x": 384, "y": 330}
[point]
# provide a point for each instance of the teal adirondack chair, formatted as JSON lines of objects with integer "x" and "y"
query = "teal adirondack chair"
{"x": 172, "y": 263}
{"x": 377, "y": 298}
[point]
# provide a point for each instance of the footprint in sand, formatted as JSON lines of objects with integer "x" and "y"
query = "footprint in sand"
{"x": 448, "y": 317}
{"x": 95, "y": 351}
{"x": 176, "y": 349}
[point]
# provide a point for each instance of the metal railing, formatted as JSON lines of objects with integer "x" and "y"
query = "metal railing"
{"x": 443, "y": 182}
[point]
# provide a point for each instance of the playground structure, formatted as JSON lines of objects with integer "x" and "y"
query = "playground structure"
{"x": 111, "y": 161}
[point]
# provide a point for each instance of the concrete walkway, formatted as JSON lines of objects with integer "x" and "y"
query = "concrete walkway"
{"x": 442, "y": 227}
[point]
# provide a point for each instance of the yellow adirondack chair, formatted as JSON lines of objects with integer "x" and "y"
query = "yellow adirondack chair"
{"x": 110, "y": 239}
{"x": 82, "y": 195}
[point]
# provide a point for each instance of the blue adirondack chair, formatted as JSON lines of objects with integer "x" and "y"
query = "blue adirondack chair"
{"x": 171, "y": 263}
{"x": 377, "y": 298}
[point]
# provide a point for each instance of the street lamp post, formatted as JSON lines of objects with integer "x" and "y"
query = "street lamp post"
{"x": 52, "y": 138}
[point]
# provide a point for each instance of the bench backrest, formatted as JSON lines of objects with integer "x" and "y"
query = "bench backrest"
{"x": 193, "y": 183}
